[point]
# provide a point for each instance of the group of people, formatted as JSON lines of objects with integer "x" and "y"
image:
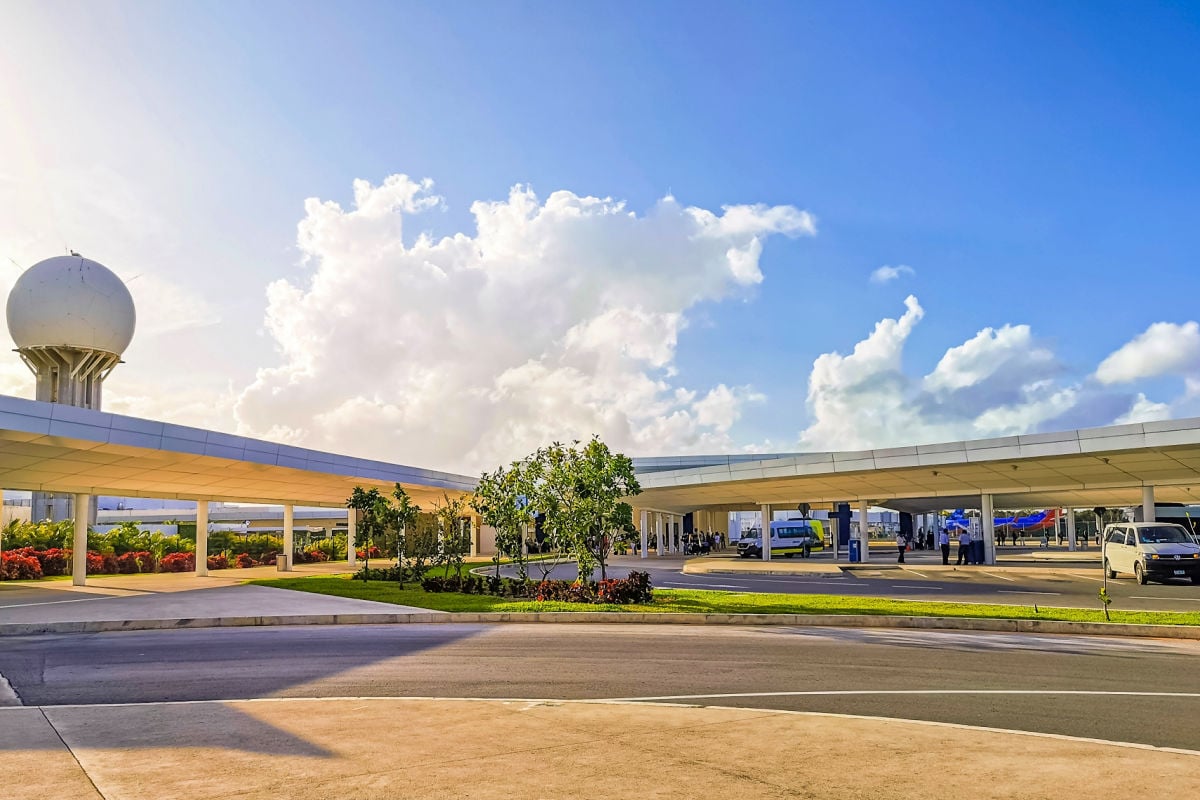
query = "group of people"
{"x": 702, "y": 543}
{"x": 924, "y": 539}
{"x": 697, "y": 543}
{"x": 920, "y": 540}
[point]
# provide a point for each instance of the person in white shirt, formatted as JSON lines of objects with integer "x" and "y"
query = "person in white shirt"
{"x": 944, "y": 543}
{"x": 901, "y": 545}
{"x": 964, "y": 547}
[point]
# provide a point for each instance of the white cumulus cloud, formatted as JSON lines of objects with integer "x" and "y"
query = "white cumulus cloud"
{"x": 553, "y": 319}
{"x": 999, "y": 382}
{"x": 1165, "y": 348}
{"x": 886, "y": 273}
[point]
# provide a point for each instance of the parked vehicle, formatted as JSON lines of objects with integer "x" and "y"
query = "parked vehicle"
{"x": 788, "y": 537}
{"x": 1151, "y": 551}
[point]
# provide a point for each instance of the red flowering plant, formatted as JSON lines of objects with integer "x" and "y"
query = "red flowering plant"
{"x": 178, "y": 562}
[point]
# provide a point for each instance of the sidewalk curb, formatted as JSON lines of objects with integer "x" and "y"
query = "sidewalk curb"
{"x": 841, "y": 569}
{"x": 608, "y": 617}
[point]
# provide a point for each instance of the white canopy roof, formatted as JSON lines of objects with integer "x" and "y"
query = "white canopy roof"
{"x": 1082, "y": 469}
{"x": 57, "y": 448}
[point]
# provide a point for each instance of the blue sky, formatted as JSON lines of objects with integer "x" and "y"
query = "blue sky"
{"x": 1033, "y": 163}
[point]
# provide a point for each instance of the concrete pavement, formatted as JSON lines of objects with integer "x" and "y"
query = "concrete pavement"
{"x": 317, "y": 750}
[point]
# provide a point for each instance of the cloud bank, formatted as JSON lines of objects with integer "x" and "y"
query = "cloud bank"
{"x": 554, "y": 319}
{"x": 1001, "y": 382}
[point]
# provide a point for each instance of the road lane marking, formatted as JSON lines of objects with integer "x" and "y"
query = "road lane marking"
{"x": 914, "y": 572}
{"x": 56, "y": 602}
{"x": 1149, "y": 597}
{"x": 1085, "y": 577}
{"x": 923, "y": 588}
{"x": 1001, "y": 577}
{"x": 704, "y": 585}
{"x": 1026, "y": 591}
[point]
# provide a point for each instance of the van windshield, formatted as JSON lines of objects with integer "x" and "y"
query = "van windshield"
{"x": 1163, "y": 534}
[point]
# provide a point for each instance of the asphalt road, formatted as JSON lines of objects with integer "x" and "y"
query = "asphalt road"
{"x": 1131, "y": 690}
{"x": 1067, "y": 585}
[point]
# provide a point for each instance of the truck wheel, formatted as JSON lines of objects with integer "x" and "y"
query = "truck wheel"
{"x": 1140, "y": 574}
{"x": 1112, "y": 573}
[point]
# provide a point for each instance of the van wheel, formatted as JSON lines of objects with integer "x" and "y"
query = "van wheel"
{"x": 788, "y": 555}
{"x": 1140, "y": 574}
{"x": 1196, "y": 579}
{"x": 1112, "y": 573}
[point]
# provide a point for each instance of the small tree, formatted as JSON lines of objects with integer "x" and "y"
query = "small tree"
{"x": 375, "y": 513}
{"x": 580, "y": 491}
{"x": 448, "y": 515}
{"x": 502, "y": 501}
{"x": 606, "y": 477}
{"x": 404, "y": 515}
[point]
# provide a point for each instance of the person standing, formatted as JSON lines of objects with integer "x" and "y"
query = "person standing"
{"x": 964, "y": 547}
{"x": 944, "y": 543}
{"x": 901, "y": 545}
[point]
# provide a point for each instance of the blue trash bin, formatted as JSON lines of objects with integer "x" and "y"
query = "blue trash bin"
{"x": 855, "y": 550}
{"x": 977, "y": 552}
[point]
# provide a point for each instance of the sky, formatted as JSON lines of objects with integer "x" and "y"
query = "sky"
{"x": 445, "y": 234}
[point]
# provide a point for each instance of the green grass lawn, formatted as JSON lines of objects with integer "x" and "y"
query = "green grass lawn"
{"x": 708, "y": 602}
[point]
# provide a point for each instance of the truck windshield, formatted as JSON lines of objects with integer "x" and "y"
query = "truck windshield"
{"x": 1163, "y": 534}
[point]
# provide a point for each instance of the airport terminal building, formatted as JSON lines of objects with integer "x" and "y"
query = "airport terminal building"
{"x": 71, "y": 318}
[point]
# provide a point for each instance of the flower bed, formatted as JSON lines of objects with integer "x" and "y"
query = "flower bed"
{"x": 26, "y": 563}
{"x": 14, "y": 566}
{"x": 178, "y": 562}
{"x": 617, "y": 591}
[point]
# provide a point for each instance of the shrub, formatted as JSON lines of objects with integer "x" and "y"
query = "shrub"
{"x": 218, "y": 562}
{"x": 134, "y": 562}
{"x": 98, "y": 564}
{"x": 178, "y": 562}
{"x": 374, "y": 552}
{"x": 54, "y": 561}
{"x": 395, "y": 574}
{"x": 565, "y": 592}
{"x": 317, "y": 555}
{"x": 244, "y": 561}
{"x": 15, "y": 566}
{"x": 633, "y": 589}
{"x": 268, "y": 559}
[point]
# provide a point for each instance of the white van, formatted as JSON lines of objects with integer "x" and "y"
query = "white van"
{"x": 788, "y": 537}
{"x": 1154, "y": 551}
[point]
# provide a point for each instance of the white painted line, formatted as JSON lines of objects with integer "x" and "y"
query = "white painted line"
{"x": 1001, "y": 577}
{"x": 1148, "y": 597}
{"x": 914, "y": 572}
{"x": 1085, "y": 577}
{"x": 1020, "y": 591}
{"x": 79, "y": 600}
{"x": 704, "y": 585}
{"x": 923, "y": 588}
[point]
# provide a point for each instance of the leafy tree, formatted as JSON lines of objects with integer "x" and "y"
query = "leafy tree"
{"x": 375, "y": 514}
{"x": 580, "y": 490}
{"x": 606, "y": 477}
{"x": 404, "y": 516}
{"x": 502, "y": 501}
{"x": 448, "y": 513}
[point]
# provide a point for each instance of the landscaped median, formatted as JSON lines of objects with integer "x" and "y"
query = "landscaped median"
{"x": 694, "y": 601}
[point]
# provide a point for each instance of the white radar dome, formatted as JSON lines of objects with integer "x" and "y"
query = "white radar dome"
{"x": 71, "y": 301}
